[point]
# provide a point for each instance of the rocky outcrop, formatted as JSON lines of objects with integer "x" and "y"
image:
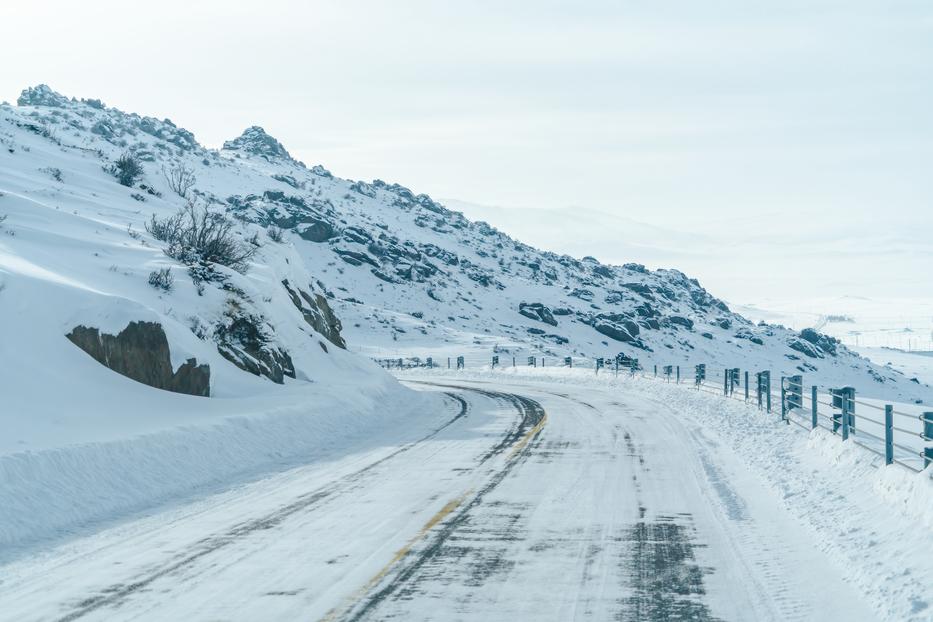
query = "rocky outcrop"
{"x": 582, "y": 294}
{"x": 805, "y": 347}
{"x": 617, "y": 326}
{"x": 242, "y": 341}
{"x": 744, "y": 333}
{"x": 537, "y": 311}
{"x": 41, "y": 95}
{"x": 824, "y": 342}
{"x": 678, "y": 320}
{"x": 141, "y": 352}
{"x": 255, "y": 141}
{"x": 317, "y": 313}
{"x": 316, "y": 231}
{"x": 813, "y": 344}
{"x": 355, "y": 258}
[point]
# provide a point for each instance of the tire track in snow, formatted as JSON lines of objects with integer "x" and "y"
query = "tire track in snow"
{"x": 533, "y": 419}
{"x": 114, "y": 595}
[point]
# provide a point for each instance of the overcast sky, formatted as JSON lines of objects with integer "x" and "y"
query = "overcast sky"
{"x": 788, "y": 116}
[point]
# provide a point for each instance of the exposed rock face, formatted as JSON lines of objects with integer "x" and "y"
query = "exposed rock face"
{"x": 582, "y": 294}
{"x": 681, "y": 321}
{"x": 640, "y": 288}
{"x": 537, "y": 311}
{"x": 316, "y": 231}
{"x": 317, "y": 313}
{"x": 243, "y": 343}
{"x": 806, "y": 348}
{"x": 824, "y": 342}
{"x": 618, "y": 327}
{"x": 141, "y": 352}
{"x": 255, "y": 141}
{"x": 744, "y": 333}
{"x": 41, "y": 95}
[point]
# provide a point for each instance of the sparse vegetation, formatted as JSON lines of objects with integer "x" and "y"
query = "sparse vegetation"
{"x": 54, "y": 173}
{"x": 276, "y": 234}
{"x": 127, "y": 169}
{"x": 162, "y": 279}
{"x": 180, "y": 179}
{"x": 197, "y": 235}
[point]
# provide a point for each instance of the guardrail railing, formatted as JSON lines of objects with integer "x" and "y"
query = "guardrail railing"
{"x": 888, "y": 430}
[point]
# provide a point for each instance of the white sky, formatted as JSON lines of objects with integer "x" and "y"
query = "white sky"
{"x": 788, "y": 116}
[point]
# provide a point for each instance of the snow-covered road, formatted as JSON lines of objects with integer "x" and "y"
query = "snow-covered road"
{"x": 524, "y": 503}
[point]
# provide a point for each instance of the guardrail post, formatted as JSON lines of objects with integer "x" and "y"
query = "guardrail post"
{"x": 813, "y": 408}
{"x": 448, "y": 362}
{"x": 655, "y": 371}
{"x": 746, "y": 386}
{"x": 678, "y": 374}
{"x": 783, "y": 399}
{"x": 513, "y": 361}
{"x": 888, "y": 434}
{"x": 725, "y": 382}
{"x": 928, "y": 437}
{"x": 845, "y": 416}
{"x": 768, "y": 388}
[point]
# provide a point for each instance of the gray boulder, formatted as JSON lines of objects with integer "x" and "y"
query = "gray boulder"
{"x": 537, "y": 311}
{"x": 141, "y": 352}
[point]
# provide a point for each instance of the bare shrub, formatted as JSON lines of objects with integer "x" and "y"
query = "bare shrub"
{"x": 180, "y": 179}
{"x": 162, "y": 279}
{"x": 276, "y": 234}
{"x": 197, "y": 235}
{"x": 54, "y": 173}
{"x": 127, "y": 169}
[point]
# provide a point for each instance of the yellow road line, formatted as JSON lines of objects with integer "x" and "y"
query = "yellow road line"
{"x": 434, "y": 520}
{"x": 402, "y": 552}
{"x": 530, "y": 435}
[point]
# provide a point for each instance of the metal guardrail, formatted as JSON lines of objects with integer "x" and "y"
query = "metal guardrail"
{"x": 835, "y": 409}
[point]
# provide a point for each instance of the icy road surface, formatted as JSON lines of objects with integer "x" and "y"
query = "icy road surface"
{"x": 523, "y": 503}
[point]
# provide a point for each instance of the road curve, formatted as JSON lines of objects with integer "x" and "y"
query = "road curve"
{"x": 526, "y": 502}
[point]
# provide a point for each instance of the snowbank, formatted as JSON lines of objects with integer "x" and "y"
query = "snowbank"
{"x": 53, "y": 493}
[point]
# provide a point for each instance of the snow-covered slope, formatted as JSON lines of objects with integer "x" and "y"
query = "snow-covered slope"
{"x": 407, "y": 276}
{"x": 80, "y": 443}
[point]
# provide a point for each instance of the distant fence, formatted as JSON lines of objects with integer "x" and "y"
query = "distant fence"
{"x": 899, "y": 437}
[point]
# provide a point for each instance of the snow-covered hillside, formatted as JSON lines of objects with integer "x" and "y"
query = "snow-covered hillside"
{"x": 78, "y": 267}
{"x": 406, "y": 276}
